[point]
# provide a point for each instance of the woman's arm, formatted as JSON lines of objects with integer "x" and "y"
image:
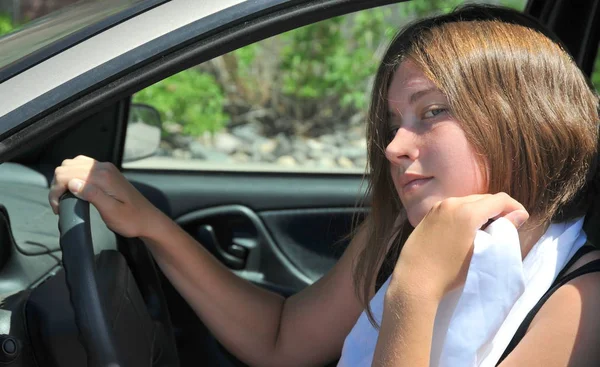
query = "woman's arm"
{"x": 406, "y": 327}
{"x": 260, "y": 327}
{"x": 434, "y": 260}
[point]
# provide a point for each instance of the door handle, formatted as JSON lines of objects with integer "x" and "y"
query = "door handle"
{"x": 233, "y": 255}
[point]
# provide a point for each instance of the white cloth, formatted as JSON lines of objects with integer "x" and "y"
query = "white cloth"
{"x": 475, "y": 323}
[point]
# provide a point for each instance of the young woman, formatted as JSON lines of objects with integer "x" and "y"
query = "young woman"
{"x": 475, "y": 115}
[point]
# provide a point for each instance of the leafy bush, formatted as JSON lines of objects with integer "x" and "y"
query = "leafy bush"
{"x": 335, "y": 58}
{"x": 6, "y": 24}
{"x": 191, "y": 98}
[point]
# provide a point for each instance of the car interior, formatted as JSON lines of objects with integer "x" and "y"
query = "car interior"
{"x": 279, "y": 230}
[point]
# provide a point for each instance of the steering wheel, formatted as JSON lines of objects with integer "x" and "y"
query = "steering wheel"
{"x": 89, "y": 300}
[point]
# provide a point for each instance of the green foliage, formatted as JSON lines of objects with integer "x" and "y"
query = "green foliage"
{"x": 191, "y": 98}
{"x": 6, "y": 24}
{"x": 423, "y": 8}
{"x": 335, "y": 57}
{"x": 515, "y": 4}
{"x": 246, "y": 56}
{"x": 596, "y": 73}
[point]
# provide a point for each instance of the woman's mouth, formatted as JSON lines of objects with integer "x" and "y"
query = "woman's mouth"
{"x": 410, "y": 182}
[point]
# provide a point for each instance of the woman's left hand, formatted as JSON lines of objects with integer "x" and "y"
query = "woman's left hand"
{"x": 436, "y": 256}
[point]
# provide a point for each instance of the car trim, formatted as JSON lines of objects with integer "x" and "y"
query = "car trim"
{"x": 203, "y": 46}
{"x": 61, "y": 76}
{"x": 27, "y": 62}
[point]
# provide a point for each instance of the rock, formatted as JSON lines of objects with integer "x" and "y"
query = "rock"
{"x": 353, "y": 153}
{"x": 180, "y": 141}
{"x": 314, "y": 144}
{"x": 284, "y": 146}
{"x": 240, "y": 157}
{"x": 172, "y": 127}
{"x": 344, "y": 162}
{"x": 199, "y": 151}
{"x": 328, "y": 139}
{"x": 357, "y": 132}
{"x": 340, "y": 138}
{"x": 327, "y": 162}
{"x": 181, "y": 154}
{"x": 357, "y": 119}
{"x": 300, "y": 157}
{"x": 310, "y": 163}
{"x": 248, "y": 132}
{"x": 258, "y": 157}
{"x": 361, "y": 163}
{"x": 287, "y": 161}
{"x": 315, "y": 154}
{"x": 164, "y": 152}
{"x": 360, "y": 143}
{"x": 299, "y": 146}
{"x": 226, "y": 143}
{"x": 267, "y": 147}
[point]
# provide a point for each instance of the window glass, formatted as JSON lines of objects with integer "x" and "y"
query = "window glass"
{"x": 21, "y": 35}
{"x": 297, "y": 101}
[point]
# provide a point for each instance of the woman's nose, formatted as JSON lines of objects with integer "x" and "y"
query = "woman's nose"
{"x": 403, "y": 147}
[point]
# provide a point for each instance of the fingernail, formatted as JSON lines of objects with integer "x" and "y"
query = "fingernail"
{"x": 521, "y": 218}
{"x": 75, "y": 185}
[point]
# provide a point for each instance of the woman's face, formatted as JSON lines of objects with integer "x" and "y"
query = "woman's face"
{"x": 430, "y": 158}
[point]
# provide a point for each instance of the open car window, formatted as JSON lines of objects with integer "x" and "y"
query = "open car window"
{"x": 294, "y": 102}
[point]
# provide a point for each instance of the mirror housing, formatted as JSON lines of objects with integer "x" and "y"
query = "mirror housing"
{"x": 143, "y": 132}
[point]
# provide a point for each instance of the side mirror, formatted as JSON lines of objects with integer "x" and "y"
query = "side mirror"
{"x": 143, "y": 132}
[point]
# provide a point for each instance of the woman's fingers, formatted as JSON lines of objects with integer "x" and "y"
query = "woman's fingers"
{"x": 82, "y": 170}
{"x": 496, "y": 206}
{"x": 93, "y": 194}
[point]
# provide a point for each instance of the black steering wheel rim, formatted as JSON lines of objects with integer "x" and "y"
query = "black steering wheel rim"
{"x": 80, "y": 273}
{"x": 86, "y": 297}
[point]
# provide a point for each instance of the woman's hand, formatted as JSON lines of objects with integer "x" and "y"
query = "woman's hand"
{"x": 122, "y": 207}
{"x": 435, "y": 258}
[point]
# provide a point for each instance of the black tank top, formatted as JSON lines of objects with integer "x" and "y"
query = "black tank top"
{"x": 591, "y": 267}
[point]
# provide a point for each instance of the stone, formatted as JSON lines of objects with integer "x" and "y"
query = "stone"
{"x": 357, "y": 119}
{"x": 173, "y": 128}
{"x": 268, "y": 147}
{"x": 353, "y": 153}
{"x": 240, "y": 157}
{"x": 284, "y": 146}
{"x": 361, "y": 163}
{"x": 300, "y": 157}
{"x": 360, "y": 143}
{"x": 248, "y": 132}
{"x": 344, "y": 162}
{"x": 181, "y": 154}
{"x": 226, "y": 143}
{"x": 287, "y": 161}
{"x": 328, "y": 139}
{"x": 199, "y": 151}
{"x": 314, "y": 144}
{"x": 327, "y": 162}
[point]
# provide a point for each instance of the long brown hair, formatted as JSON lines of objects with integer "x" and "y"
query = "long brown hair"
{"x": 524, "y": 106}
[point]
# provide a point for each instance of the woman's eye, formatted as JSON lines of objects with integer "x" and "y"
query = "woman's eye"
{"x": 434, "y": 112}
{"x": 392, "y": 133}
